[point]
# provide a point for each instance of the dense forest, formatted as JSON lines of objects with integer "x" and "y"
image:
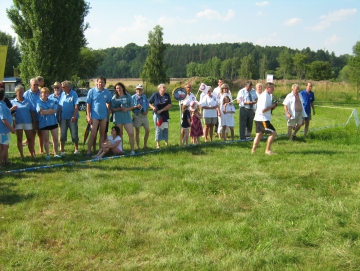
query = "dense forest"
{"x": 228, "y": 60}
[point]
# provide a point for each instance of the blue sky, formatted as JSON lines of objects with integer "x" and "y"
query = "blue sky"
{"x": 333, "y": 25}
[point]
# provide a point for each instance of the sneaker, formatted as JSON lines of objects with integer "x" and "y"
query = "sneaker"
{"x": 88, "y": 155}
{"x": 294, "y": 137}
{"x": 77, "y": 152}
{"x": 57, "y": 156}
{"x": 62, "y": 153}
{"x": 132, "y": 153}
{"x": 47, "y": 157}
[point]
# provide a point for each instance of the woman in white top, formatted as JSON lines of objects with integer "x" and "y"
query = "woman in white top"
{"x": 112, "y": 143}
{"x": 211, "y": 111}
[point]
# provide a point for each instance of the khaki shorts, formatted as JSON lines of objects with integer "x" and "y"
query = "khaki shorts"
{"x": 209, "y": 121}
{"x": 298, "y": 120}
{"x": 140, "y": 120}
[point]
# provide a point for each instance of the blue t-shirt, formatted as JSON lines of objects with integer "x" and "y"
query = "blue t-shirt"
{"x": 5, "y": 114}
{"x": 98, "y": 100}
{"x": 56, "y": 100}
{"x": 23, "y": 110}
{"x": 46, "y": 120}
{"x": 125, "y": 101}
{"x": 307, "y": 100}
{"x": 161, "y": 102}
{"x": 143, "y": 100}
{"x": 33, "y": 99}
{"x": 68, "y": 103}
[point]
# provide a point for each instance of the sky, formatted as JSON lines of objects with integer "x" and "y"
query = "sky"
{"x": 332, "y": 25}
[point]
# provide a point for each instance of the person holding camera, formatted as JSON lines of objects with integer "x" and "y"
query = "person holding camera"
{"x": 140, "y": 117}
{"x": 263, "y": 118}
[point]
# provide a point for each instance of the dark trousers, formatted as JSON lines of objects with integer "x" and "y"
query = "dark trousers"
{"x": 246, "y": 121}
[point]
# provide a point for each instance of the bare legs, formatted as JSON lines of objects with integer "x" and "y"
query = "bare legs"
{"x": 137, "y": 136}
{"x": 270, "y": 140}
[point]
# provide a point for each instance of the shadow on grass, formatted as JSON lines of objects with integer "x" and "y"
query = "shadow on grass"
{"x": 9, "y": 197}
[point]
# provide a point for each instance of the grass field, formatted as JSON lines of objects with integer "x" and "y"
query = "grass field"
{"x": 208, "y": 207}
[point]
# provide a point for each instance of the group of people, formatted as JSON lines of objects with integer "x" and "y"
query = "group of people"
{"x": 36, "y": 112}
{"x": 217, "y": 110}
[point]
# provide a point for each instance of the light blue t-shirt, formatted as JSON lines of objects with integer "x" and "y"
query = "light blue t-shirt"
{"x": 125, "y": 101}
{"x": 143, "y": 100}
{"x": 46, "y": 120}
{"x": 33, "y": 99}
{"x": 22, "y": 114}
{"x": 98, "y": 100}
{"x": 5, "y": 113}
{"x": 68, "y": 103}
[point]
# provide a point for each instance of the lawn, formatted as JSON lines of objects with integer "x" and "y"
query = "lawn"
{"x": 208, "y": 207}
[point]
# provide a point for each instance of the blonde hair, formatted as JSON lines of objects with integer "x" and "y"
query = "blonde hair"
{"x": 44, "y": 89}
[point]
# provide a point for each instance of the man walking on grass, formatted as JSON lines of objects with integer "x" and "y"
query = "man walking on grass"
{"x": 263, "y": 118}
{"x": 308, "y": 103}
{"x": 294, "y": 111}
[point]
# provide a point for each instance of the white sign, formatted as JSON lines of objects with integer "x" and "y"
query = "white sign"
{"x": 269, "y": 78}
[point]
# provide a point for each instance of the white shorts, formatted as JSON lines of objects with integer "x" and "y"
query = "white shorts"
{"x": 23, "y": 126}
{"x": 5, "y": 139}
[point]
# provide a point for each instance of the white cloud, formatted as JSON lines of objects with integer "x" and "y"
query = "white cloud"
{"x": 339, "y": 15}
{"x": 260, "y": 13}
{"x": 137, "y": 32}
{"x": 217, "y": 37}
{"x": 334, "y": 39}
{"x": 335, "y": 16}
{"x": 213, "y": 14}
{"x": 262, "y": 4}
{"x": 292, "y": 21}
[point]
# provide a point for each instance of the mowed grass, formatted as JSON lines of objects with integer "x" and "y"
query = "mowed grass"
{"x": 208, "y": 207}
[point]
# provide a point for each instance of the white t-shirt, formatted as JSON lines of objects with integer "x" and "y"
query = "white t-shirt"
{"x": 209, "y": 101}
{"x": 114, "y": 141}
{"x": 263, "y": 102}
{"x": 189, "y": 98}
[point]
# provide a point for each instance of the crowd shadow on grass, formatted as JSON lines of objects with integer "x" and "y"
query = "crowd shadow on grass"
{"x": 8, "y": 195}
{"x": 318, "y": 151}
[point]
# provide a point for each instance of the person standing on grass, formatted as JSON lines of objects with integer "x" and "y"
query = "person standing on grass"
{"x": 196, "y": 130}
{"x": 217, "y": 94}
{"x": 46, "y": 108}
{"x": 246, "y": 98}
{"x": 112, "y": 143}
{"x": 263, "y": 119}
{"x": 97, "y": 110}
{"x": 294, "y": 111}
{"x": 185, "y": 125}
{"x": 23, "y": 121}
{"x": 33, "y": 96}
{"x": 227, "y": 117}
{"x": 5, "y": 129}
{"x": 140, "y": 115}
{"x": 121, "y": 105}
{"x": 160, "y": 103}
{"x": 308, "y": 103}
{"x": 211, "y": 112}
{"x": 69, "y": 110}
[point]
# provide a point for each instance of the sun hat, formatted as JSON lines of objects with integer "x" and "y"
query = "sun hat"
{"x": 56, "y": 84}
{"x": 193, "y": 106}
{"x": 139, "y": 86}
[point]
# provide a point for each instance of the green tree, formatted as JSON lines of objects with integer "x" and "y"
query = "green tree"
{"x": 354, "y": 65}
{"x": 285, "y": 64}
{"x": 13, "y": 53}
{"x": 154, "y": 70}
{"x": 299, "y": 60}
{"x": 87, "y": 64}
{"x": 247, "y": 69}
{"x": 51, "y": 35}
{"x": 319, "y": 70}
{"x": 263, "y": 66}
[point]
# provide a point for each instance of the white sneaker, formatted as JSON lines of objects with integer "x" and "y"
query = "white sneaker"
{"x": 132, "y": 153}
{"x": 77, "y": 152}
{"x": 62, "y": 153}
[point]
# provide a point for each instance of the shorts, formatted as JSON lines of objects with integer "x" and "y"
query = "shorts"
{"x": 23, "y": 126}
{"x": 209, "y": 121}
{"x": 50, "y": 127}
{"x": 308, "y": 117}
{"x": 298, "y": 120}
{"x": 5, "y": 139}
{"x": 140, "y": 120}
{"x": 265, "y": 127}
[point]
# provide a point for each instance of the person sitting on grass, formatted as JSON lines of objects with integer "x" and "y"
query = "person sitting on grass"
{"x": 112, "y": 143}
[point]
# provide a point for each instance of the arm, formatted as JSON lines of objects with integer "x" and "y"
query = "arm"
{"x": 7, "y": 124}
{"x": 313, "y": 107}
{"x": 287, "y": 111}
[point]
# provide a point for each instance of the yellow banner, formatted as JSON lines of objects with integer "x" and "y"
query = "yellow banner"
{"x": 3, "y": 53}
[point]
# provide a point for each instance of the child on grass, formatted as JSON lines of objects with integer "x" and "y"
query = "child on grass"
{"x": 112, "y": 143}
{"x": 196, "y": 126}
{"x": 227, "y": 117}
{"x": 185, "y": 125}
